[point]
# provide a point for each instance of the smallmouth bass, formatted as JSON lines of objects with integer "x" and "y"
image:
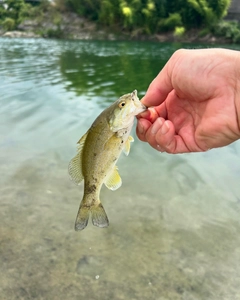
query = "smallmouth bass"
{"x": 98, "y": 151}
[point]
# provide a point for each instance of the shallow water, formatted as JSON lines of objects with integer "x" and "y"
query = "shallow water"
{"x": 174, "y": 224}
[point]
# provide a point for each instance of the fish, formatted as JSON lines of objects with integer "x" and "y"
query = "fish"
{"x": 97, "y": 153}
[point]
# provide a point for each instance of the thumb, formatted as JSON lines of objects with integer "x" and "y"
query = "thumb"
{"x": 159, "y": 88}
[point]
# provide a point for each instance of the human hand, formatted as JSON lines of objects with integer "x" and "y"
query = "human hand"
{"x": 194, "y": 102}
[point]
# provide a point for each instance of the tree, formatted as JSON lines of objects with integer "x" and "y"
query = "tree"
{"x": 12, "y": 8}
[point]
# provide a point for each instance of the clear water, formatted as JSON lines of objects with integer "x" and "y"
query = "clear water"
{"x": 175, "y": 222}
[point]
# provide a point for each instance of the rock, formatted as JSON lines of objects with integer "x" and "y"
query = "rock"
{"x": 112, "y": 37}
{"x": 20, "y": 34}
{"x": 213, "y": 39}
{"x": 28, "y": 25}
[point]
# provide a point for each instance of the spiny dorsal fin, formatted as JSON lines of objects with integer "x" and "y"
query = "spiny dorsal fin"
{"x": 127, "y": 145}
{"x": 75, "y": 165}
{"x": 113, "y": 180}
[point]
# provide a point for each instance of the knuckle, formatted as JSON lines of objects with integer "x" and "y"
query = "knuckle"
{"x": 170, "y": 147}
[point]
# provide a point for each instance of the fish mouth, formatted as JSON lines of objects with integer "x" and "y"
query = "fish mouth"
{"x": 140, "y": 107}
{"x": 143, "y": 107}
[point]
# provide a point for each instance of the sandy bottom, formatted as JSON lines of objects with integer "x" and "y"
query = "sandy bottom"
{"x": 160, "y": 244}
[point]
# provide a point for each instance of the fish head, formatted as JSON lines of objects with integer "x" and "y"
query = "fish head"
{"x": 124, "y": 110}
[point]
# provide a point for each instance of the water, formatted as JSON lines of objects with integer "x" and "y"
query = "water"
{"x": 174, "y": 224}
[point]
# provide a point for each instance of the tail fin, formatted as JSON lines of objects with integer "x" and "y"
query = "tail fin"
{"x": 82, "y": 217}
{"x": 99, "y": 216}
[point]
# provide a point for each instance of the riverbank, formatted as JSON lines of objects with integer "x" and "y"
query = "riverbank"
{"x": 71, "y": 26}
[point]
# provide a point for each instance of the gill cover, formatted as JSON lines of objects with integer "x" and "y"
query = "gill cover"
{"x": 124, "y": 110}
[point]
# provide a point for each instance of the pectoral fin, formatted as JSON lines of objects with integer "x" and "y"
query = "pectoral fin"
{"x": 75, "y": 165}
{"x": 113, "y": 180}
{"x": 127, "y": 145}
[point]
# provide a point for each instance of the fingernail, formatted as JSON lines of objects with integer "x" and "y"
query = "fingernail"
{"x": 156, "y": 125}
{"x": 165, "y": 128}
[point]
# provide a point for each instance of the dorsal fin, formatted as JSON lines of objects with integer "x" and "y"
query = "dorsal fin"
{"x": 75, "y": 165}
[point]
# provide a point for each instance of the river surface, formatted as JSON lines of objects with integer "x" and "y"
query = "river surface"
{"x": 174, "y": 224}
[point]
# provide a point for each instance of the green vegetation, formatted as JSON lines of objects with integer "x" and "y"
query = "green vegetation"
{"x": 14, "y": 12}
{"x": 230, "y": 30}
{"x": 157, "y": 16}
{"x": 168, "y": 24}
{"x": 179, "y": 31}
{"x": 8, "y": 24}
{"x": 151, "y": 16}
{"x": 130, "y": 16}
{"x": 11, "y": 9}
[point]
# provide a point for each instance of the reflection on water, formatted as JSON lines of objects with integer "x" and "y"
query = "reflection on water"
{"x": 109, "y": 69}
{"x": 174, "y": 223}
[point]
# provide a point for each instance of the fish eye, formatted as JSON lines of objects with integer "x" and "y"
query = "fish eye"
{"x": 121, "y": 104}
